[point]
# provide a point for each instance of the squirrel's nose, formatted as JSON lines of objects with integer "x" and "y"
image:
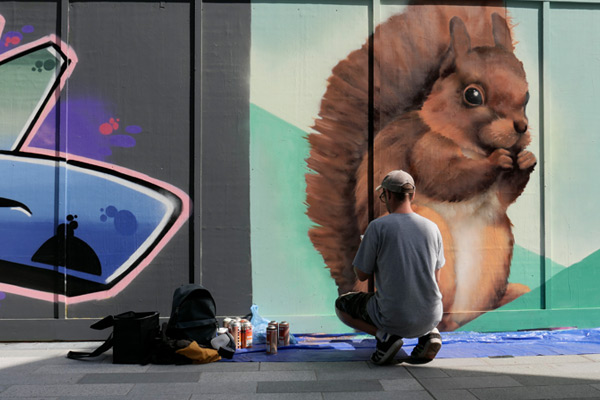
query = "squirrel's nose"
{"x": 520, "y": 126}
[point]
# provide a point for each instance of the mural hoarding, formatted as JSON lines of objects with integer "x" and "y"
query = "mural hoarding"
{"x": 81, "y": 132}
{"x": 497, "y": 226}
{"x": 119, "y": 120}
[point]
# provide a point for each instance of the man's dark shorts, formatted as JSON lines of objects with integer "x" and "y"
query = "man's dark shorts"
{"x": 355, "y": 304}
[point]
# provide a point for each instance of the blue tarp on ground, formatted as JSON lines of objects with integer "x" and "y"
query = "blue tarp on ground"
{"x": 358, "y": 347}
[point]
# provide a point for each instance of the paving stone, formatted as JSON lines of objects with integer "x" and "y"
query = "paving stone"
{"x": 426, "y": 372}
{"x": 259, "y": 396}
{"x": 42, "y": 371}
{"x": 453, "y": 394}
{"x": 575, "y": 370}
{"x": 537, "y": 392}
{"x": 400, "y": 384}
{"x": 85, "y": 367}
{"x": 355, "y": 385}
{"x": 385, "y": 372}
{"x": 315, "y": 366}
{"x": 150, "y": 390}
{"x": 154, "y": 396}
{"x": 593, "y": 357}
{"x": 66, "y": 390}
{"x": 537, "y": 360}
{"x": 18, "y": 363}
{"x": 469, "y": 382}
{"x": 578, "y": 398}
{"x": 257, "y": 376}
{"x": 45, "y": 398}
{"x": 12, "y": 378}
{"x": 164, "y": 377}
{"x": 408, "y": 395}
{"x": 49, "y": 345}
{"x": 542, "y": 380}
{"x": 489, "y": 370}
{"x": 455, "y": 362}
{"x": 472, "y": 371}
{"x": 30, "y": 353}
{"x": 215, "y": 366}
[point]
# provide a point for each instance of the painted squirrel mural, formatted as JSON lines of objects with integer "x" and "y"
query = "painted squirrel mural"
{"x": 449, "y": 100}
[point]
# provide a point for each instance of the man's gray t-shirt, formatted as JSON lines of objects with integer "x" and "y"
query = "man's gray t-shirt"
{"x": 404, "y": 251}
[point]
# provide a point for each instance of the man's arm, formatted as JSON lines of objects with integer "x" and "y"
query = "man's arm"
{"x": 361, "y": 275}
{"x": 437, "y": 275}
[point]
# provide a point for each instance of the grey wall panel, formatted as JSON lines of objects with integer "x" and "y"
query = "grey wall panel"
{"x": 135, "y": 57}
{"x": 177, "y": 71}
{"x": 225, "y": 262}
{"x": 27, "y": 21}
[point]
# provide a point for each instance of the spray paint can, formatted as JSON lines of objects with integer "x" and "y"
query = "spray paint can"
{"x": 246, "y": 335}
{"x": 272, "y": 338}
{"x": 284, "y": 333}
{"x": 226, "y": 322}
{"x": 235, "y": 330}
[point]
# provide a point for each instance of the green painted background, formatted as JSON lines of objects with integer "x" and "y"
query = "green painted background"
{"x": 294, "y": 47}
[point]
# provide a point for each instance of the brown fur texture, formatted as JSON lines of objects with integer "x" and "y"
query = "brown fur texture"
{"x": 468, "y": 159}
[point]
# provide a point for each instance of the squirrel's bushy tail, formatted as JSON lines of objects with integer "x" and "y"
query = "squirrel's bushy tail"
{"x": 407, "y": 54}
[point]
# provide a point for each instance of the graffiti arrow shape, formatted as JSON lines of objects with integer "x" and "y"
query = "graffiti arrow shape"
{"x": 15, "y": 205}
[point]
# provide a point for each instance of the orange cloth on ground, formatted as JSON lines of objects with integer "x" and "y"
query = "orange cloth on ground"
{"x": 200, "y": 355}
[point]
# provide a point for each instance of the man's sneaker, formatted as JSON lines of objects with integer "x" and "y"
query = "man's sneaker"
{"x": 386, "y": 349}
{"x": 428, "y": 346}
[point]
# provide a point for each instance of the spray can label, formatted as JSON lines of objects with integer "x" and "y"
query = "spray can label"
{"x": 272, "y": 338}
{"x": 284, "y": 333}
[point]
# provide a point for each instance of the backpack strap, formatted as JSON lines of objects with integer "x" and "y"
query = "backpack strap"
{"x": 78, "y": 355}
{"x": 104, "y": 323}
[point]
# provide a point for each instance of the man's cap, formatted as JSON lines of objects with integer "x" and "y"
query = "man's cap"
{"x": 398, "y": 181}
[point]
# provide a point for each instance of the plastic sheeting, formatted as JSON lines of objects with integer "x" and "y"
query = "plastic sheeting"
{"x": 358, "y": 347}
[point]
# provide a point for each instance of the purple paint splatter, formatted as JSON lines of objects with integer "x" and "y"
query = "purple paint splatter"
{"x": 84, "y": 118}
{"x": 122, "y": 141}
{"x": 27, "y": 29}
{"x": 133, "y": 129}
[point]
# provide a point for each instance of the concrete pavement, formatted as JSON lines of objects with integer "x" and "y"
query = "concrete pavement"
{"x": 42, "y": 371}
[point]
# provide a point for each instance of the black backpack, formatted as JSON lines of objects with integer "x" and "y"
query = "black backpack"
{"x": 193, "y": 315}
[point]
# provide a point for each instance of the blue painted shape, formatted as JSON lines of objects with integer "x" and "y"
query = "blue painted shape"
{"x": 40, "y": 184}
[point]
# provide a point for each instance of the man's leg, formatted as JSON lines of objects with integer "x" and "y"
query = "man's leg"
{"x": 351, "y": 309}
{"x": 356, "y": 323}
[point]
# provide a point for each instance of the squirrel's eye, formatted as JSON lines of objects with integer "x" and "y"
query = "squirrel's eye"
{"x": 473, "y": 96}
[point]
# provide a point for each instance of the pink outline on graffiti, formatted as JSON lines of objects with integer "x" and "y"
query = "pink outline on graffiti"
{"x": 185, "y": 200}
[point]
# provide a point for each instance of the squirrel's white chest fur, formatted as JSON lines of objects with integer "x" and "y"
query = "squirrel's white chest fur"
{"x": 467, "y": 222}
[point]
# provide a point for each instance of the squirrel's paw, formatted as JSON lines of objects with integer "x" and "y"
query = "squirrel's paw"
{"x": 526, "y": 159}
{"x": 501, "y": 158}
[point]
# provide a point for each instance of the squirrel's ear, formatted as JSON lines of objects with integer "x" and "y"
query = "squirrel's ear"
{"x": 460, "y": 41}
{"x": 501, "y": 32}
{"x": 460, "y": 44}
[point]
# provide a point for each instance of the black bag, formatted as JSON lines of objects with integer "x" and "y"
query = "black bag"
{"x": 193, "y": 315}
{"x": 133, "y": 338}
